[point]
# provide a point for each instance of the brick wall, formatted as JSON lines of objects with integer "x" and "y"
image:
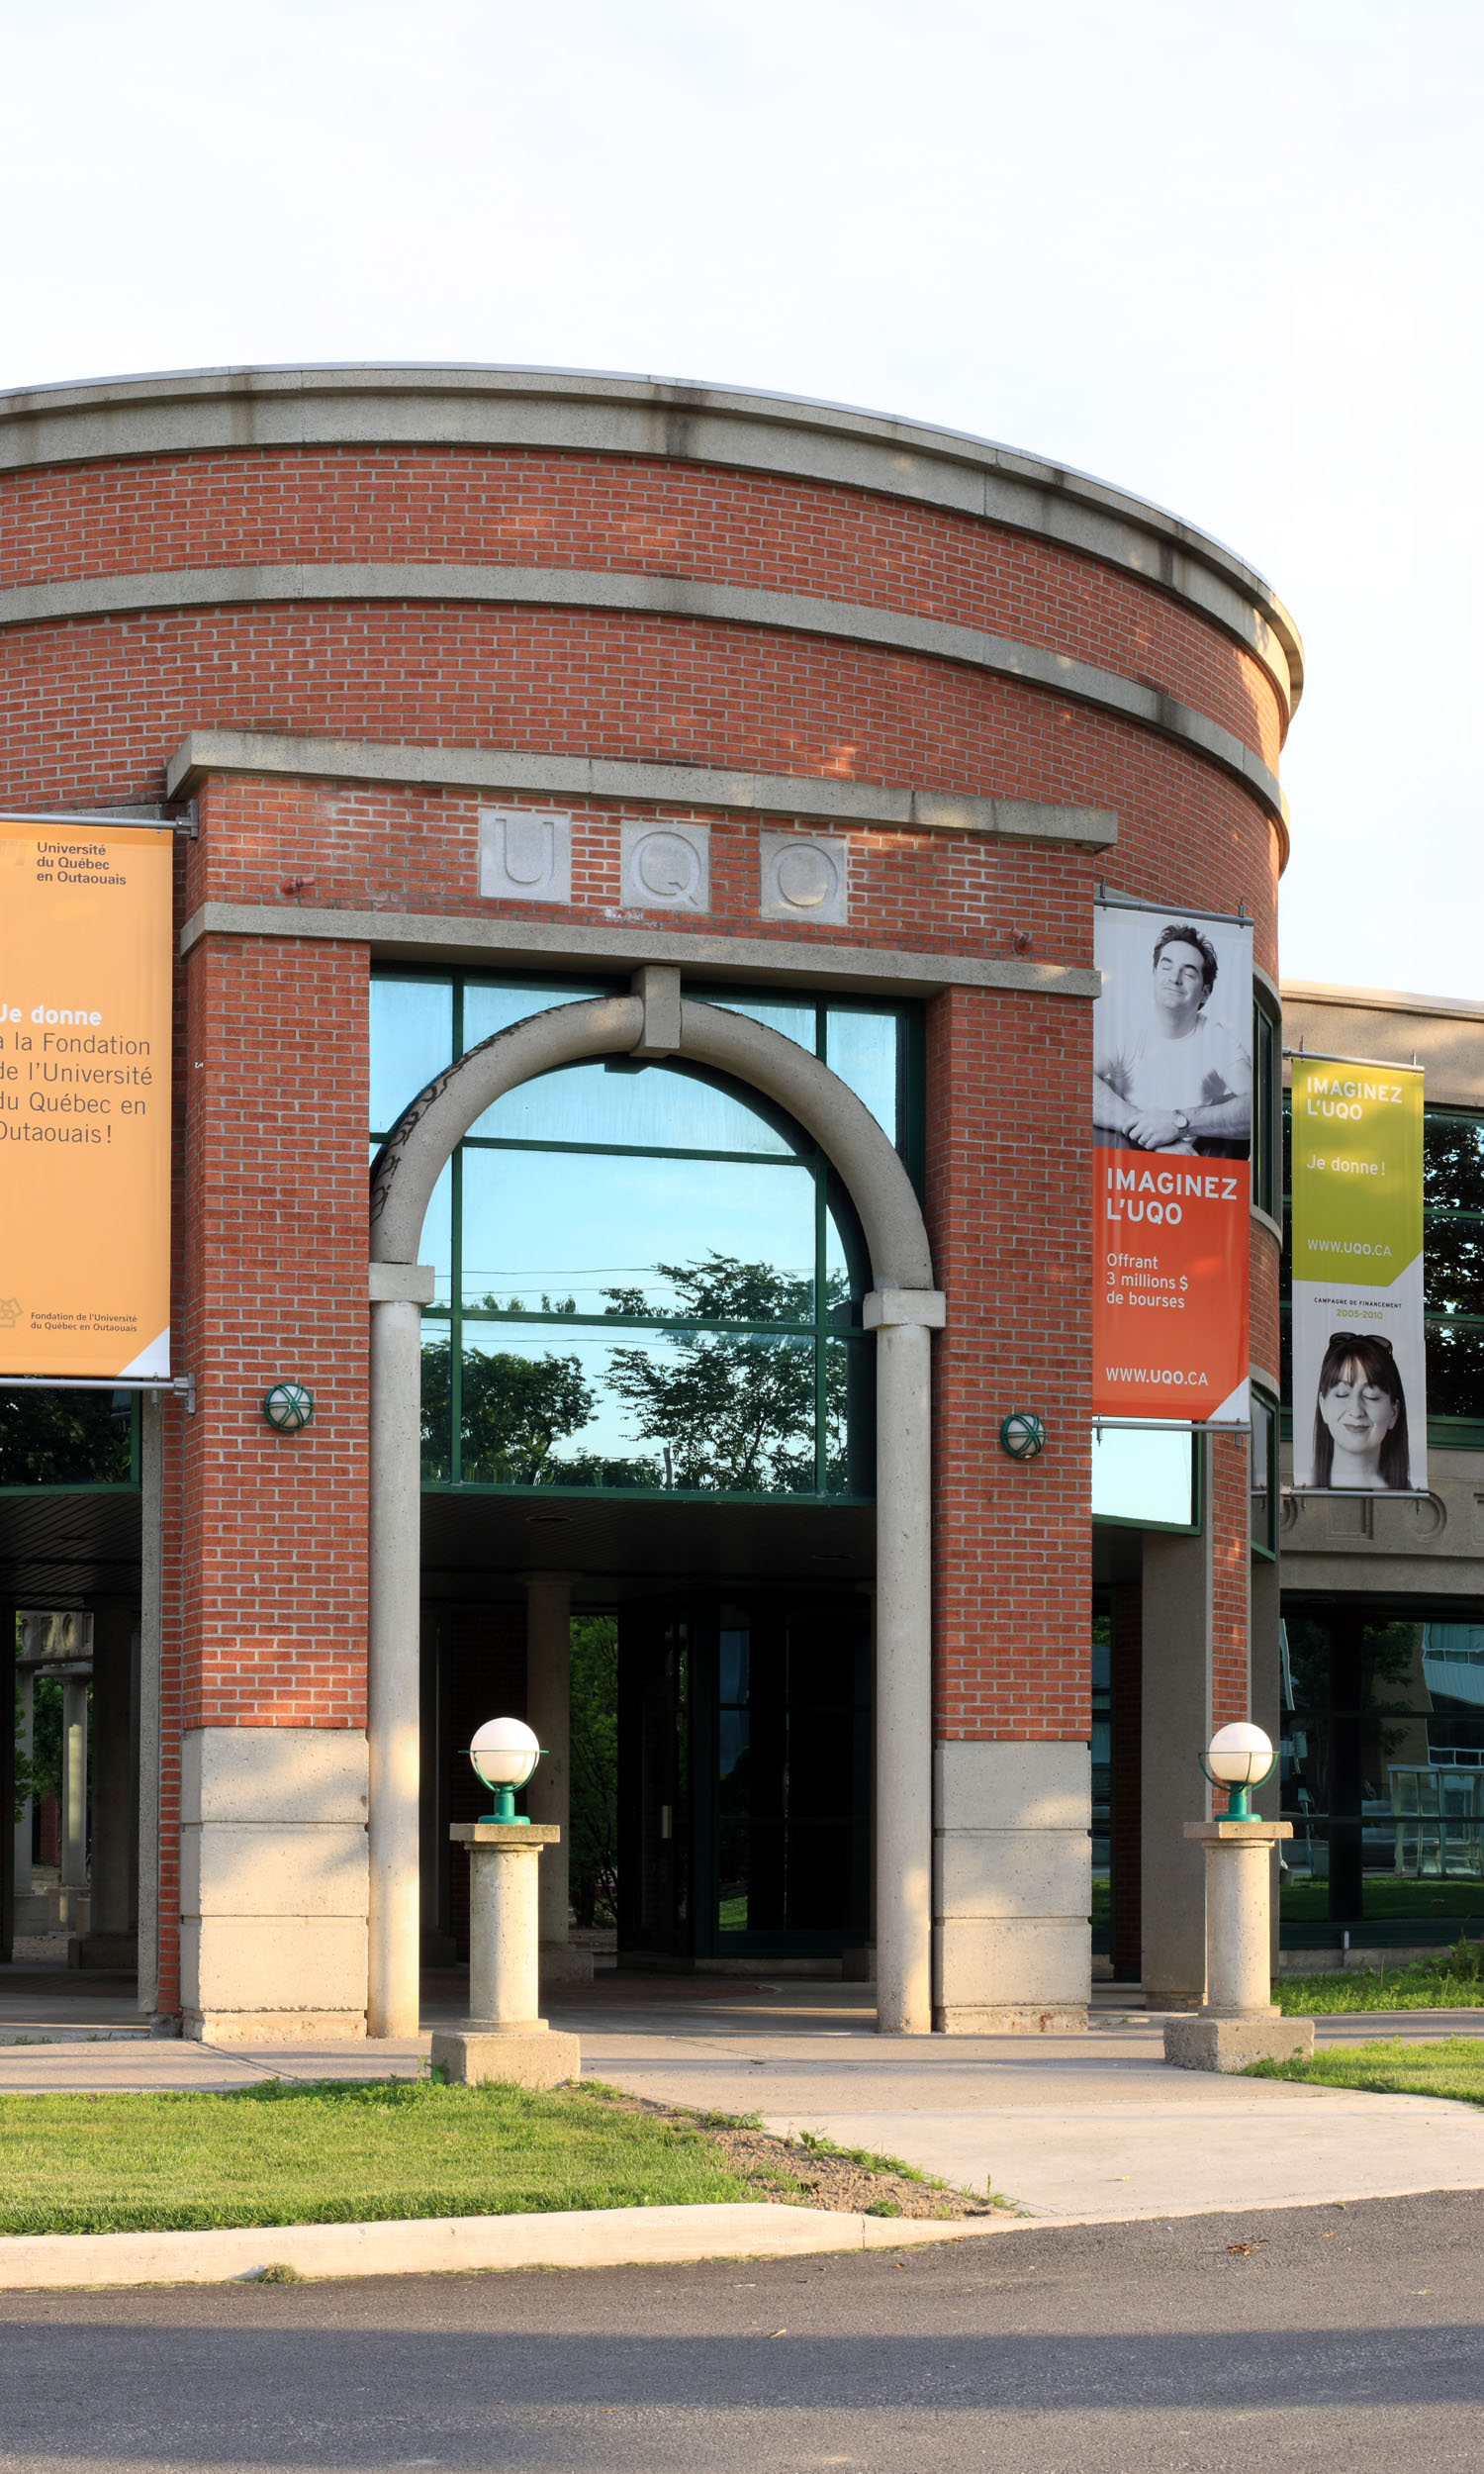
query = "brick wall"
{"x": 265, "y": 1535}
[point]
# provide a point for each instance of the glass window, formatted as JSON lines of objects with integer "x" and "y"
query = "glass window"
{"x": 616, "y": 1104}
{"x": 412, "y": 1040}
{"x": 71, "y": 1439}
{"x": 1144, "y": 1477}
{"x": 862, "y": 1049}
{"x": 1267, "y": 1104}
{"x": 1265, "y": 1481}
{"x": 1454, "y": 1270}
{"x": 1383, "y": 1769}
{"x": 533, "y": 1222}
{"x": 647, "y": 1275}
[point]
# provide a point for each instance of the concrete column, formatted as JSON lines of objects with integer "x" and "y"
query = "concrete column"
{"x": 393, "y": 1679}
{"x": 1266, "y": 1709}
{"x": 548, "y": 1711}
{"x": 110, "y": 1940}
{"x": 152, "y": 1630}
{"x": 74, "y": 1799}
{"x": 1179, "y": 1605}
{"x": 8, "y": 1787}
{"x": 25, "y": 1744}
{"x": 902, "y": 1321}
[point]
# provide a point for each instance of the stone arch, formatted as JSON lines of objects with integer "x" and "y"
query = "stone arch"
{"x": 656, "y": 1021}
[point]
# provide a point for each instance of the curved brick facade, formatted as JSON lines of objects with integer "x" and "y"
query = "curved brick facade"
{"x": 113, "y": 492}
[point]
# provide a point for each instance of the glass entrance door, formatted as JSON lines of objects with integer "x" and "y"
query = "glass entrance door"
{"x": 744, "y": 1778}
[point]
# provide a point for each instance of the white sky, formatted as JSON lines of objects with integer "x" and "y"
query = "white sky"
{"x": 1227, "y": 258}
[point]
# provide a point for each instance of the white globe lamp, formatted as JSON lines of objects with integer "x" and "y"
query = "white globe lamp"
{"x": 1241, "y": 1756}
{"x": 504, "y": 1753}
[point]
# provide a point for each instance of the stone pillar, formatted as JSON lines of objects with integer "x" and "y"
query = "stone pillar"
{"x": 1178, "y": 1612}
{"x": 393, "y": 1679}
{"x": 1265, "y": 1707}
{"x": 147, "y": 1718}
{"x": 903, "y": 1320}
{"x": 8, "y": 1788}
{"x": 548, "y": 1711}
{"x": 504, "y": 2038}
{"x": 74, "y": 1799}
{"x": 111, "y": 1940}
{"x": 25, "y": 1744}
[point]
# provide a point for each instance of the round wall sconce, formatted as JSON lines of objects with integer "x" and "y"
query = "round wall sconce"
{"x": 289, "y": 1406}
{"x": 503, "y": 1752}
{"x": 1021, "y": 1434}
{"x": 1240, "y": 1756}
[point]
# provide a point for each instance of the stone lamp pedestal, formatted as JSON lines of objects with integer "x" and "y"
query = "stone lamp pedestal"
{"x": 503, "y": 2037}
{"x": 1239, "y": 2022}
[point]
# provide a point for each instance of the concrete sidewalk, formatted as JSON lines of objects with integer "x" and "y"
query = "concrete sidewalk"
{"x": 1082, "y": 2129}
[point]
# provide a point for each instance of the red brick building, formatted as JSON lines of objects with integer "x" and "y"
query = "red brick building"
{"x": 744, "y": 770}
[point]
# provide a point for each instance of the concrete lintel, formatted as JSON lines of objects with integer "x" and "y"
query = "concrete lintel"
{"x": 397, "y": 1284}
{"x": 658, "y": 986}
{"x": 883, "y": 806}
{"x": 453, "y": 936}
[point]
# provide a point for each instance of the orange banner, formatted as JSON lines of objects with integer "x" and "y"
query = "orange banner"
{"x": 1170, "y": 1307}
{"x": 84, "y": 1099}
{"x": 1171, "y": 1120}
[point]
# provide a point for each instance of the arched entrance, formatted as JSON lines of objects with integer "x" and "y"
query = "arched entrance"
{"x": 653, "y": 1022}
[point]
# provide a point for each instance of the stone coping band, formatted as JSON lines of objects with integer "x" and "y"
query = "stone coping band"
{"x": 593, "y": 412}
{"x": 498, "y": 943}
{"x": 881, "y": 806}
{"x": 667, "y": 596}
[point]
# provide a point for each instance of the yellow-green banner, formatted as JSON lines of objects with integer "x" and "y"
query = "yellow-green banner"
{"x": 1360, "y": 1381}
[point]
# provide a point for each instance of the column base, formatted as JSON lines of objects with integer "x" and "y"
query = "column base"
{"x": 1210, "y": 2043}
{"x": 531, "y": 2055}
{"x": 104, "y": 1949}
{"x": 273, "y": 2027}
{"x": 1013, "y": 2019}
{"x": 565, "y": 1962}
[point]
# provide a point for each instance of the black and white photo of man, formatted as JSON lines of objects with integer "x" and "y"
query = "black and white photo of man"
{"x": 1171, "y": 1073}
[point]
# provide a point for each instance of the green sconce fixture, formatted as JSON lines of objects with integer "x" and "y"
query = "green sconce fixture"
{"x": 289, "y": 1406}
{"x": 1021, "y": 1434}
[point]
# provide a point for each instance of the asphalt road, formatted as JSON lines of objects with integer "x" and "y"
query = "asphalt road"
{"x": 1333, "y": 2339}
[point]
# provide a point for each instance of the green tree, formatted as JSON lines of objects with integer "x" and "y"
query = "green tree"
{"x": 736, "y": 1410}
{"x": 514, "y": 1410}
{"x": 594, "y": 1826}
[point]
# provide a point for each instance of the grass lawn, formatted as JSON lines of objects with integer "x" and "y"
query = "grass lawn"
{"x": 334, "y": 2153}
{"x": 1453, "y": 1980}
{"x": 1455, "y": 2066}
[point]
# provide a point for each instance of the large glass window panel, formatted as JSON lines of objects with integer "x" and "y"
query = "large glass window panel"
{"x": 796, "y": 1022}
{"x": 613, "y": 1103}
{"x": 66, "y": 1439}
{"x": 849, "y": 1416}
{"x": 724, "y": 1240}
{"x": 1453, "y": 1162}
{"x": 861, "y": 1048}
{"x": 1455, "y": 1366}
{"x": 492, "y": 1005}
{"x": 1453, "y": 1263}
{"x": 437, "y": 1401}
{"x": 412, "y": 1040}
{"x": 700, "y": 1413}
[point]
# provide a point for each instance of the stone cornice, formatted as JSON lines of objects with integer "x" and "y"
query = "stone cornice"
{"x": 188, "y": 411}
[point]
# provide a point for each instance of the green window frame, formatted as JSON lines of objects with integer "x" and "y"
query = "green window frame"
{"x": 843, "y": 1369}
{"x": 1263, "y": 1464}
{"x": 1268, "y": 1103}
